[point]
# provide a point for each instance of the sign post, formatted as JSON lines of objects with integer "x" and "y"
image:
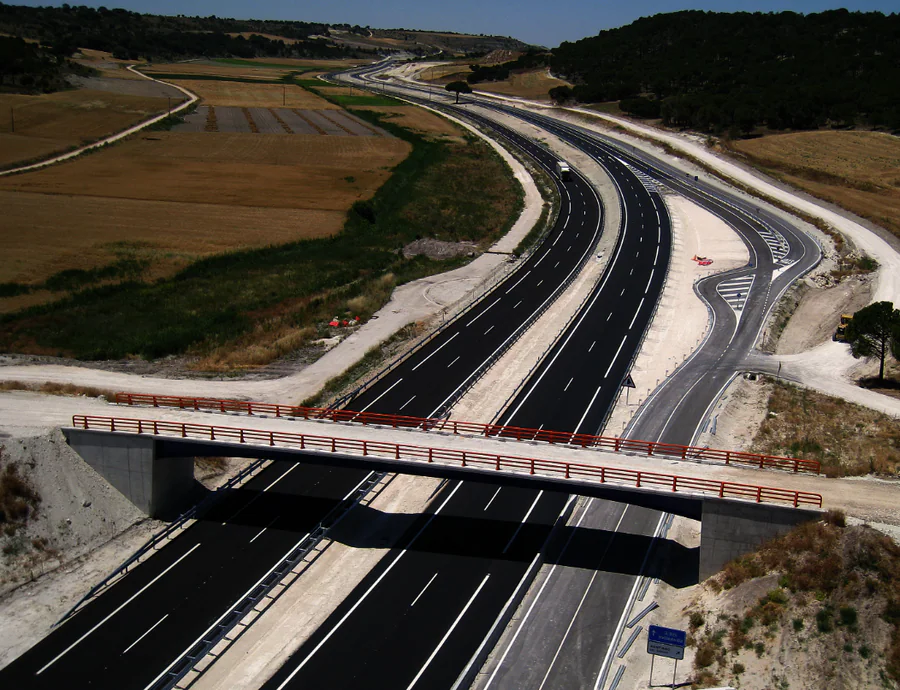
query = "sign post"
{"x": 627, "y": 384}
{"x": 665, "y": 642}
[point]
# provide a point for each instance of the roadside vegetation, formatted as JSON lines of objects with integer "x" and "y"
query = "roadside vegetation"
{"x": 817, "y": 607}
{"x": 848, "y": 439}
{"x": 248, "y": 308}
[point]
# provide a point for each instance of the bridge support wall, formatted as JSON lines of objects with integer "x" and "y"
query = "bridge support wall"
{"x": 159, "y": 487}
{"x": 729, "y": 529}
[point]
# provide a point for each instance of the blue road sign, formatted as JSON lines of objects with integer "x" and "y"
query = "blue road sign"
{"x": 670, "y": 636}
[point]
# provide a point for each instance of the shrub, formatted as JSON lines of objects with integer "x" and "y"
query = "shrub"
{"x": 825, "y": 621}
{"x": 706, "y": 654}
{"x": 696, "y": 620}
{"x": 798, "y": 624}
{"x": 865, "y": 652}
{"x": 835, "y": 517}
{"x": 738, "y": 669}
{"x": 848, "y": 616}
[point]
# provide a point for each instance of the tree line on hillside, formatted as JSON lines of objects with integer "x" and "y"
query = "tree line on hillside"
{"x": 131, "y": 36}
{"x": 29, "y": 68}
{"x": 735, "y": 72}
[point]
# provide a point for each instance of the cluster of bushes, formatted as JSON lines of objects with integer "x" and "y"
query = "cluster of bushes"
{"x": 737, "y": 71}
{"x": 30, "y": 68}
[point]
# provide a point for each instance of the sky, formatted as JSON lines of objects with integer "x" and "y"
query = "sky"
{"x": 534, "y": 21}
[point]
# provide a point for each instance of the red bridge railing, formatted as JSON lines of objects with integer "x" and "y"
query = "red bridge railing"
{"x": 618, "y": 445}
{"x": 462, "y": 458}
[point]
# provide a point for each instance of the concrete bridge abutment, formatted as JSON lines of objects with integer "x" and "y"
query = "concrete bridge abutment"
{"x": 160, "y": 487}
{"x": 729, "y": 529}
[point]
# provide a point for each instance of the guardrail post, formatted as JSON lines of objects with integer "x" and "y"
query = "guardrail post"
{"x": 250, "y": 408}
{"x": 155, "y": 429}
{"x": 140, "y": 430}
{"x": 183, "y": 430}
{"x": 532, "y": 465}
{"x": 196, "y": 405}
{"x": 497, "y": 459}
{"x": 796, "y": 498}
{"x": 302, "y": 442}
{"x": 684, "y": 451}
{"x": 242, "y": 435}
{"x": 638, "y": 480}
{"x": 603, "y": 475}
{"x": 464, "y": 458}
{"x": 221, "y": 406}
{"x": 271, "y": 438}
{"x": 155, "y": 402}
{"x": 332, "y": 445}
{"x": 212, "y": 433}
{"x": 617, "y": 444}
{"x": 674, "y": 485}
{"x": 650, "y": 449}
{"x": 721, "y": 489}
{"x": 112, "y": 424}
{"x": 430, "y": 455}
{"x": 396, "y": 451}
{"x": 567, "y": 471}
{"x": 727, "y": 457}
{"x": 759, "y": 494}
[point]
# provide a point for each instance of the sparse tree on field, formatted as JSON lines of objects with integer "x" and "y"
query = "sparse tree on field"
{"x": 874, "y": 332}
{"x": 458, "y": 87}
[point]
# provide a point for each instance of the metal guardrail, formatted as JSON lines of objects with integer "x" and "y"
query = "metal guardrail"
{"x": 613, "y": 443}
{"x": 554, "y": 469}
{"x": 162, "y": 535}
{"x": 260, "y": 596}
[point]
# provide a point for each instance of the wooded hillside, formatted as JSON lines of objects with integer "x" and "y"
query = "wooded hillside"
{"x": 718, "y": 71}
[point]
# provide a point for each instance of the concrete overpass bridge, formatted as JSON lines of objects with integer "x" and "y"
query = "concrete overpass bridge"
{"x": 151, "y": 462}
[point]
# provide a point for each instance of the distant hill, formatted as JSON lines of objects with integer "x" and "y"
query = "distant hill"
{"x": 717, "y": 71}
{"x": 132, "y": 36}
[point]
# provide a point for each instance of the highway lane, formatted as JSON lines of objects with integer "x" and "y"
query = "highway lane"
{"x": 129, "y": 635}
{"x": 418, "y": 615}
{"x": 428, "y": 646}
{"x": 429, "y": 381}
{"x": 82, "y": 648}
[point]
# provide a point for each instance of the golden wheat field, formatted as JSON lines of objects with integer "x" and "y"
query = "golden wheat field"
{"x": 175, "y": 197}
{"x": 58, "y": 121}
{"x": 534, "y": 84}
{"x": 419, "y": 120}
{"x": 216, "y": 70}
{"x": 859, "y": 171}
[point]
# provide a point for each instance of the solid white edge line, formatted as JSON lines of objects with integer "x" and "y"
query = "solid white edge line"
{"x": 145, "y": 634}
{"x": 604, "y": 669}
{"x": 537, "y": 597}
{"x": 255, "y": 585}
{"x": 636, "y": 313}
{"x": 435, "y": 352}
{"x": 621, "y": 345}
{"x": 365, "y": 594}
{"x": 495, "y": 302}
{"x": 449, "y": 632}
{"x": 524, "y": 520}
{"x": 122, "y": 606}
{"x": 587, "y": 591}
{"x": 493, "y": 497}
{"x": 381, "y": 396}
{"x": 428, "y": 584}
{"x": 259, "y": 495}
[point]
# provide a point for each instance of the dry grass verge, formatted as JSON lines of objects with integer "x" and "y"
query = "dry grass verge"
{"x": 817, "y": 607}
{"x": 847, "y": 439}
{"x": 51, "y": 388}
{"x": 858, "y": 171}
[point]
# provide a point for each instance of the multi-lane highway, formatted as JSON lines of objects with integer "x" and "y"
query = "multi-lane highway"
{"x": 434, "y": 600}
{"x": 188, "y": 587}
{"x": 565, "y": 636}
{"x": 422, "y": 614}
